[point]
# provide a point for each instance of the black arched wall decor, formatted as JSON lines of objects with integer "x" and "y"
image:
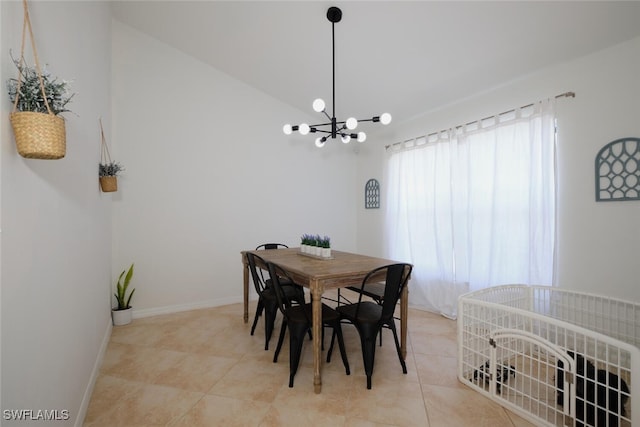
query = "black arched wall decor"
{"x": 618, "y": 171}
{"x": 372, "y": 194}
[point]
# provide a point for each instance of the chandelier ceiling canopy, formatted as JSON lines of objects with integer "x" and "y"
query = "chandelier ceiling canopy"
{"x": 334, "y": 128}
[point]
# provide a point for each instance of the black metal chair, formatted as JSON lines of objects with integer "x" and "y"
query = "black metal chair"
{"x": 270, "y": 246}
{"x": 373, "y": 290}
{"x": 298, "y": 318}
{"x": 370, "y": 317}
{"x": 267, "y": 300}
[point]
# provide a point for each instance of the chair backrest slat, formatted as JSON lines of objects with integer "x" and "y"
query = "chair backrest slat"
{"x": 272, "y": 246}
{"x": 258, "y": 281}
{"x": 275, "y": 273}
{"x": 396, "y": 278}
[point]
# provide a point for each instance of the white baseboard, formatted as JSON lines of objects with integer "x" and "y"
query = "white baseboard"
{"x": 147, "y": 312}
{"x": 82, "y": 412}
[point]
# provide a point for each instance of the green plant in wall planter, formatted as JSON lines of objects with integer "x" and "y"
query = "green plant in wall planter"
{"x": 122, "y": 313}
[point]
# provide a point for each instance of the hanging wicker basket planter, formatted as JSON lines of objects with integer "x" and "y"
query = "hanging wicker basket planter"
{"x": 109, "y": 184}
{"x": 107, "y": 169}
{"x": 39, "y": 135}
{"x": 39, "y": 132}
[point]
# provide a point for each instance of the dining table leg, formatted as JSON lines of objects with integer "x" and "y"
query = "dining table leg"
{"x": 404, "y": 313}
{"x": 245, "y": 289}
{"x": 316, "y": 328}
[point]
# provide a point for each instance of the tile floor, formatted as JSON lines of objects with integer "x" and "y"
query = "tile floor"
{"x": 203, "y": 368}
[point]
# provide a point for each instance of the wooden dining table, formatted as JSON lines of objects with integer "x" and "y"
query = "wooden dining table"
{"x": 318, "y": 275}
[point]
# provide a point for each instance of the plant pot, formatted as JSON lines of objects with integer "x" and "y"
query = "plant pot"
{"x": 121, "y": 317}
{"x": 109, "y": 183}
{"x": 326, "y": 252}
{"x": 39, "y": 135}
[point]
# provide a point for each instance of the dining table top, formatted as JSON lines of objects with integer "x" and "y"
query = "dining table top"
{"x": 331, "y": 271}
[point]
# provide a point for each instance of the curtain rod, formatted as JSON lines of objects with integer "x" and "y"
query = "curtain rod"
{"x": 562, "y": 95}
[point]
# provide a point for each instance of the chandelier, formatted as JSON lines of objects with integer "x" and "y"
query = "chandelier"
{"x": 334, "y": 128}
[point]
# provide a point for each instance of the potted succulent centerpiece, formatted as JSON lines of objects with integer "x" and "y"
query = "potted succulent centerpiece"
{"x": 38, "y": 100}
{"x": 123, "y": 311}
{"x": 309, "y": 244}
{"x": 325, "y": 244}
{"x": 315, "y": 245}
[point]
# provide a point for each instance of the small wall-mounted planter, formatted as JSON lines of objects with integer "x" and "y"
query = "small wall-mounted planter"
{"x": 109, "y": 184}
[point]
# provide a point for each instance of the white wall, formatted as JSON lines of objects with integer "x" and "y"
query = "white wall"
{"x": 56, "y": 230}
{"x": 209, "y": 173}
{"x": 598, "y": 243}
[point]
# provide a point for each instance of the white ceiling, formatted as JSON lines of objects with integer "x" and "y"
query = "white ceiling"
{"x": 401, "y": 57}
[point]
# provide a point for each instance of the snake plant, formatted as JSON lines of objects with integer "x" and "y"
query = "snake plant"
{"x": 121, "y": 290}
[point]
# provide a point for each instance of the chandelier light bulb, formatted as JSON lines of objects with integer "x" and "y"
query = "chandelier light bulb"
{"x": 320, "y": 142}
{"x": 304, "y": 129}
{"x": 287, "y": 129}
{"x": 385, "y": 118}
{"x": 362, "y": 137}
{"x": 318, "y": 105}
{"x": 351, "y": 123}
{"x": 346, "y": 139}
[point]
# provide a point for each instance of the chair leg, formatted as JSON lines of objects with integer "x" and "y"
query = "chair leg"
{"x": 258, "y": 314}
{"x": 333, "y": 339}
{"x": 269, "y": 322}
{"x": 296, "y": 337}
{"x": 368, "y": 354}
{"x": 337, "y": 330}
{"x": 283, "y": 328}
{"x": 392, "y": 326}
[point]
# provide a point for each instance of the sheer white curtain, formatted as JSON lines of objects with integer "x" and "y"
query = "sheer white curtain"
{"x": 474, "y": 207}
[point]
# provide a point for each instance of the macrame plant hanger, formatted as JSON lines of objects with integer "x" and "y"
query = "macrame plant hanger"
{"x": 37, "y": 135}
{"x": 108, "y": 184}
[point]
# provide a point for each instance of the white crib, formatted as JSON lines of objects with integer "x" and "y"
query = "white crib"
{"x": 512, "y": 338}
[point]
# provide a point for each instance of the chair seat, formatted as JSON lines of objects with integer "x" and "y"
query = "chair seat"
{"x": 369, "y": 312}
{"x": 303, "y": 313}
{"x": 372, "y": 290}
{"x": 283, "y": 282}
{"x": 290, "y": 292}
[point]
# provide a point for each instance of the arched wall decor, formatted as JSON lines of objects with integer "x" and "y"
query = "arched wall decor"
{"x": 372, "y": 194}
{"x": 618, "y": 171}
